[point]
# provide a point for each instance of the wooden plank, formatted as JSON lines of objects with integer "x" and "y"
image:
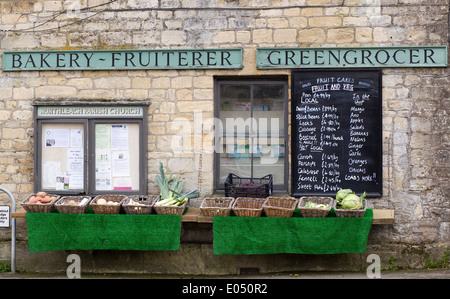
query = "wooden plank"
{"x": 18, "y": 215}
{"x": 383, "y": 216}
{"x": 380, "y": 216}
{"x": 191, "y": 215}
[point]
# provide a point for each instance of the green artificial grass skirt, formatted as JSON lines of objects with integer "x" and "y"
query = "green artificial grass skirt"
{"x": 57, "y": 231}
{"x": 296, "y": 234}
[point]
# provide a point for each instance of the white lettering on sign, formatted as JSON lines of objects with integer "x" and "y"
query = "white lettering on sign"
{"x": 83, "y": 111}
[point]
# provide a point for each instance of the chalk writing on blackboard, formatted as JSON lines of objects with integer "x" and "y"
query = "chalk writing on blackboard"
{"x": 336, "y": 132}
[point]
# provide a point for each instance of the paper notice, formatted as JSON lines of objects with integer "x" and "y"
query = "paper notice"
{"x": 76, "y": 138}
{"x": 75, "y": 160}
{"x": 49, "y": 172}
{"x": 102, "y": 136}
{"x": 121, "y": 163}
{"x": 119, "y": 137}
{"x": 57, "y": 138}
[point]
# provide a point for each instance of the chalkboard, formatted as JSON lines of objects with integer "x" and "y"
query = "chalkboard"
{"x": 336, "y": 131}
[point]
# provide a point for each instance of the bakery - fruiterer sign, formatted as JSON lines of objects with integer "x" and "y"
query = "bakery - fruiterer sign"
{"x": 122, "y": 59}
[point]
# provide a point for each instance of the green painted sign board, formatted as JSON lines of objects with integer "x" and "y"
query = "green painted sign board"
{"x": 90, "y": 111}
{"x": 346, "y": 57}
{"x": 122, "y": 59}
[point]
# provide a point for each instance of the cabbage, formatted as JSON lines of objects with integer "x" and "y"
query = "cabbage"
{"x": 353, "y": 202}
{"x": 341, "y": 194}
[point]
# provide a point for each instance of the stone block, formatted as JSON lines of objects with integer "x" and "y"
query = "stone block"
{"x": 285, "y": 35}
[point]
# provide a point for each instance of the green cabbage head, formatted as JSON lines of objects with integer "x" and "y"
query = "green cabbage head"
{"x": 341, "y": 194}
{"x": 353, "y": 202}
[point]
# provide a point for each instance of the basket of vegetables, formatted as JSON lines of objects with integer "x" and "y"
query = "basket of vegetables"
{"x": 236, "y": 186}
{"x": 41, "y": 202}
{"x": 247, "y": 206}
{"x": 348, "y": 204}
{"x": 216, "y": 206}
{"x": 139, "y": 204}
{"x": 107, "y": 204}
{"x": 172, "y": 200}
{"x": 315, "y": 206}
{"x": 73, "y": 204}
{"x": 280, "y": 206}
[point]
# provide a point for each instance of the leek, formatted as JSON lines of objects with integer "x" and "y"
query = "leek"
{"x": 171, "y": 189}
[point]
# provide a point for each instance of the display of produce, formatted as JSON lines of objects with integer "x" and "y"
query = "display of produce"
{"x": 347, "y": 199}
{"x": 102, "y": 201}
{"x": 78, "y": 203}
{"x": 171, "y": 189}
{"x": 41, "y": 197}
{"x": 311, "y": 204}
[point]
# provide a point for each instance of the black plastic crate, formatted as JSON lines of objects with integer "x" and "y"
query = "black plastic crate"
{"x": 236, "y": 186}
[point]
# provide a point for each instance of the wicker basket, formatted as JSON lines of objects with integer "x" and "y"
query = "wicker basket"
{"x": 145, "y": 206}
{"x": 39, "y": 207}
{"x": 216, "y": 206}
{"x": 107, "y": 209}
{"x": 170, "y": 210}
{"x": 280, "y": 206}
{"x": 248, "y": 206}
{"x": 63, "y": 206}
{"x": 350, "y": 213}
{"x": 315, "y": 212}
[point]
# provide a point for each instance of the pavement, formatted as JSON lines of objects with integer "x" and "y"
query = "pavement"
{"x": 400, "y": 274}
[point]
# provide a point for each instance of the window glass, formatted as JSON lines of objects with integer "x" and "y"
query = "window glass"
{"x": 117, "y": 156}
{"x": 253, "y": 118}
{"x": 63, "y": 156}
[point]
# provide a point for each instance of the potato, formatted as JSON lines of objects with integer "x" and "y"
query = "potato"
{"x": 41, "y": 194}
{"x": 101, "y": 201}
{"x": 46, "y": 199}
{"x": 33, "y": 199}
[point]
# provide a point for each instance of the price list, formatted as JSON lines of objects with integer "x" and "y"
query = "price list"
{"x": 336, "y": 132}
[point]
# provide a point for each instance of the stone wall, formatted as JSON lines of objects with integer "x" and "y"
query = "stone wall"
{"x": 415, "y": 101}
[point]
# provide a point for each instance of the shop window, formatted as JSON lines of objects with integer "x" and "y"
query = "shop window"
{"x": 252, "y": 138}
{"x": 90, "y": 150}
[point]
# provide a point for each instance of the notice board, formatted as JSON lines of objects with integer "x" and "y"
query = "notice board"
{"x": 336, "y": 131}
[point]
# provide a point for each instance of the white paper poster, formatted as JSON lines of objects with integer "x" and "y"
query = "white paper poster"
{"x": 50, "y": 170}
{"x": 119, "y": 137}
{"x": 56, "y": 138}
{"x": 76, "y": 181}
{"x": 103, "y": 177}
{"x": 121, "y": 163}
{"x": 75, "y": 160}
{"x": 76, "y": 138}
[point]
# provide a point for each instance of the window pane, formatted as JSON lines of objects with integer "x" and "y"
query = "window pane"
{"x": 62, "y": 163}
{"x": 117, "y": 156}
{"x": 235, "y": 112}
{"x": 268, "y": 104}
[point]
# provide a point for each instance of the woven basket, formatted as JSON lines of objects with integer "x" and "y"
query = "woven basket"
{"x": 315, "y": 212}
{"x": 216, "y": 206}
{"x": 39, "y": 207}
{"x": 248, "y": 206}
{"x": 280, "y": 206}
{"x": 63, "y": 206}
{"x": 350, "y": 213}
{"x": 105, "y": 208}
{"x": 145, "y": 206}
{"x": 170, "y": 210}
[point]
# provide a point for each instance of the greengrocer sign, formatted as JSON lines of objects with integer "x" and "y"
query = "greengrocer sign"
{"x": 427, "y": 56}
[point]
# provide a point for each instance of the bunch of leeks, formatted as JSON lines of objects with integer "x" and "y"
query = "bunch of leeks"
{"x": 171, "y": 189}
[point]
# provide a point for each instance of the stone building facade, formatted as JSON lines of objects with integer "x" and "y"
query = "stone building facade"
{"x": 415, "y": 104}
